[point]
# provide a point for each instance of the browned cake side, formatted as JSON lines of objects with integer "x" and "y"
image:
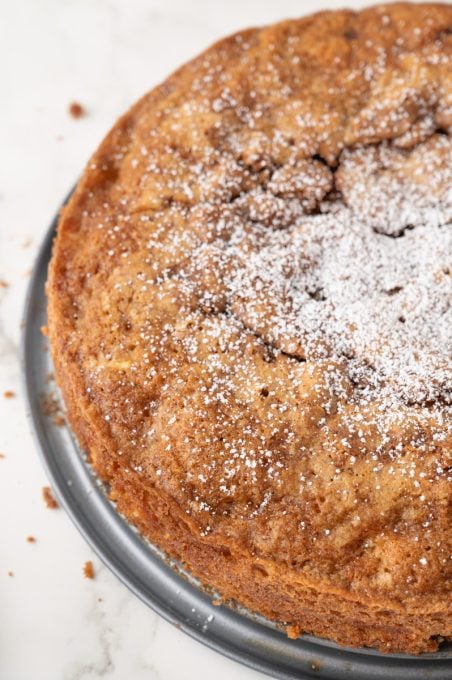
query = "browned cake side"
{"x": 249, "y": 313}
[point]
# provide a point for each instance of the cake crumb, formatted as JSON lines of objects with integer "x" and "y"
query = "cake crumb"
{"x": 31, "y": 539}
{"x": 10, "y": 573}
{"x": 88, "y": 570}
{"x": 51, "y": 407}
{"x": 49, "y": 499}
{"x": 76, "y": 110}
{"x": 293, "y": 631}
{"x": 217, "y": 602}
{"x": 2, "y": 455}
{"x": 59, "y": 420}
{"x": 45, "y": 331}
{"x": 4, "y": 284}
{"x": 9, "y": 394}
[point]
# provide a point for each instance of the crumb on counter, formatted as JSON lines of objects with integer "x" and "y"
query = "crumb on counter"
{"x": 76, "y": 110}
{"x": 88, "y": 570}
{"x": 9, "y": 394}
{"x": 49, "y": 499}
{"x": 31, "y": 539}
{"x": 4, "y": 284}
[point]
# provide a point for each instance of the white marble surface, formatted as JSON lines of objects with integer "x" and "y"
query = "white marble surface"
{"x": 54, "y": 624}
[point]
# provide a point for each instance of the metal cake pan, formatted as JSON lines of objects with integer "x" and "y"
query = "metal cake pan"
{"x": 236, "y": 633}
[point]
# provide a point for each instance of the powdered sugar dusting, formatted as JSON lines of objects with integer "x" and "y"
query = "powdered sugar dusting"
{"x": 366, "y": 282}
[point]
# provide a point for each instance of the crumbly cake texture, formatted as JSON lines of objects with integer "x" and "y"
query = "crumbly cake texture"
{"x": 249, "y": 313}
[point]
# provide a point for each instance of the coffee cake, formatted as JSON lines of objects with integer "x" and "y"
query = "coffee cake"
{"x": 250, "y": 320}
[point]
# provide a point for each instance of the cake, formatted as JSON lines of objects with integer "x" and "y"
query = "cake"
{"x": 250, "y": 322}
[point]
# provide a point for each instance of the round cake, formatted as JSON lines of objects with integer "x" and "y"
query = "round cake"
{"x": 250, "y": 319}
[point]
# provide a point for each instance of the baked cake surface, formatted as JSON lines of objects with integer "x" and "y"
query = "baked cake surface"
{"x": 250, "y": 320}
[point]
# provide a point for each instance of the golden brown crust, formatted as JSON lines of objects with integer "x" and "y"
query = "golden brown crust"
{"x": 294, "y": 467}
